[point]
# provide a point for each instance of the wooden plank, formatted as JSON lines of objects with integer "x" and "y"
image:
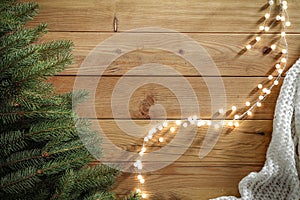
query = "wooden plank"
{"x": 222, "y": 28}
{"x": 222, "y": 48}
{"x": 197, "y": 16}
{"x": 182, "y": 187}
{"x": 252, "y": 138}
{"x": 194, "y": 193}
{"x": 76, "y": 15}
{"x": 189, "y": 177}
{"x": 215, "y": 175}
{"x": 145, "y": 100}
{"x": 183, "y": 16}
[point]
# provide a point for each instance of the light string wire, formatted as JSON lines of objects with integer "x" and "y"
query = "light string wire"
{"x": 280, "y": 66}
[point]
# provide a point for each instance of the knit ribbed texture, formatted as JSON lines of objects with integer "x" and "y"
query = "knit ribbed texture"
{"x": 279, "y": 178}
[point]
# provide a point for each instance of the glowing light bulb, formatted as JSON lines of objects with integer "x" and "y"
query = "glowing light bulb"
{"x": 248, "y": 103}
{"x": 142, "y": 180}
{"x": 236, "y": 116}
{"x": 280, "y": 71}
{"x": 282, "y": 18}
{"x": 288, "y": 23}
{"x": 258, "y": 104}
{"x": 261, "y": 28}
{"x": 216, "y": 126}
{"x": 276, "y": 82}
{"x": 259, "y": 86}
{"x": 248, "y": 46}
{"x": 141, "y": 153}
{"x": 267, "y": 28}
{"x": 178, "y": 122}
{"x": 146, "y": 139}
{"x": 208, "y": 123}
{"x": 267, "y": 15}
{"x": 193, "y": 119}
{"x": 270, "y": 77}
{"x": 139, "y": 164}
{"x": 200, "y": 123}
{"x": 172, "y": 129}
{"x": 271, "y": 2}
{"x": 273, "y": 46}
{"x": 268, "y": 91}
{"x": 283, "y": 60}
{"x": 233, "y": 108}
{"x": 161, "y": 139}
{"x": 284, "y": 7}
{"x": 139, "y": 177}
{"x": 284, "y": 2}
{"x": 261, "y": 97}
{"x": 249, "y": 113}
{"x": 284, "y": 51}
{"x": 278, "y": 17}
{"x": 282, "y": 34}
{"x": 264, "y": 90}
{"x": 153, "y": 130}
{"x": 258, "y": 38}
{"x": 221, "y": 111}
{"x": 143, "y": 149}
{"x": 165, "y": 124}
{"x": 236, "y": 124}
{"x": 184, "y": 124}
{"x": 138, "y": 191}
{"x": 230, "y": 123}
{"x": 277, "y": 66}
{"x": 144, "y": 196}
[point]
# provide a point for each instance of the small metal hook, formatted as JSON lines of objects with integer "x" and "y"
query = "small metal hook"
{"x": 115, "y": 24}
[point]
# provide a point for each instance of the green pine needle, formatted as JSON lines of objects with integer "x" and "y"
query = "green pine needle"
{"x": 19, "y": 181}
{"x": 44, "y": 153}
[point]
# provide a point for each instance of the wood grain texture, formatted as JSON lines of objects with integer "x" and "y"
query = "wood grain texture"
{"x": 144, "y": 101}
{"x": 75, "y": 15}
{"x": 235, "y": 155}
{"x": 223, "y": 28}
{"x": 189, "y": 187}
{"x": 245, "y": 145}
{"x": 196, "y": 16}
{"x": 183, "y": 16}
{"x": 222, "y": 48}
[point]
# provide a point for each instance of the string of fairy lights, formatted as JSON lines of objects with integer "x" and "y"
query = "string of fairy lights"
{"x": 265, "y": 89}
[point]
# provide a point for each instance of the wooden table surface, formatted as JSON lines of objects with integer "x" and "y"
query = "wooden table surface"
{"x": 223, "y": 28}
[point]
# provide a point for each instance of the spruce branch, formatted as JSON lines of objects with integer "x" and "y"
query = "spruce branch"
{"x": 13, "y": 116}
{"x": 100, "y": 196}
{"x": 21, "y": 38}
{"x": 63, "y": 147}
{"x": 134, "y": 196}
{"x": 42, "y": 69}
{"x": 24, "y": 159}
{"x": 72, "y": 160}
{"x": 14, "y": 15}
{"x": 20, "y": 180}
{"x": 45, "y": 155}
{"x": 64, "y": 186}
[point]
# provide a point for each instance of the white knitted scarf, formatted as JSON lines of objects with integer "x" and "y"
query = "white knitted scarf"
{"x": 279, "y": 178}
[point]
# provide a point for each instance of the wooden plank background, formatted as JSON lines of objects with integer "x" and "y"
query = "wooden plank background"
{"x": 223, "y": 27}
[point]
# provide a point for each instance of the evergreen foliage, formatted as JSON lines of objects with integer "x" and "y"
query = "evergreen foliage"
{"x": 42, "y": 156}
